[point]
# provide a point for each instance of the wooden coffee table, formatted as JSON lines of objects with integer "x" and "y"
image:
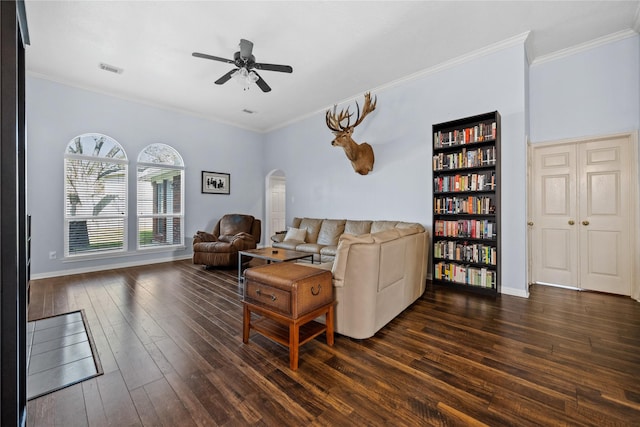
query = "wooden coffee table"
{"x": 287, "y": 298}
{"x": 270, "y": 255}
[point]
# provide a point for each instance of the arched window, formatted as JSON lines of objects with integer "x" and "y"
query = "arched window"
{"x": 95, "y": 214}
{"x": 160, "y": 200}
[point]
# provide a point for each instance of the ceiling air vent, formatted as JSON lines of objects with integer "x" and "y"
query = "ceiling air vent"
{"x": 111, "y": 68}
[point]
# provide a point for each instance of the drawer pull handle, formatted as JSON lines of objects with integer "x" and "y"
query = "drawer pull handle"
{"x": 273, "y": 297}
{"x": 314, "y": 292}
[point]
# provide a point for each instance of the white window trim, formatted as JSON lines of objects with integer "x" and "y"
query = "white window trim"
{"x": 103, "y": 253}
{"x": 162, "y": 248}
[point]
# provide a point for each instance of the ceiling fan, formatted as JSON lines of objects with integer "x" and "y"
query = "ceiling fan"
{"x": 245, "y": 64}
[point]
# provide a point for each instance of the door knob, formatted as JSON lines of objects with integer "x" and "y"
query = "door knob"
{"x": 571, "y": 222}
{"x": 530, "y": 223}
{"x": 585, "y": 222}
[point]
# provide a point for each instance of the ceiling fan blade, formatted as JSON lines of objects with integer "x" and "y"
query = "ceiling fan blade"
{"x": 215, "y": 58}
{"x": 273, "y": 67}
{"x": 226, "y": 77}
{"x": 262, "y": 84}
{"x": 246, "y": 47}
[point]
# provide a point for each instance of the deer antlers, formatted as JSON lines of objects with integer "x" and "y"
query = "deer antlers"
{"x": 361, "y": 155}
{"x": 335, "y": 122}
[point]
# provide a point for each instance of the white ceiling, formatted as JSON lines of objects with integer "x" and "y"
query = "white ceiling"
{"x": 338, "y": 49}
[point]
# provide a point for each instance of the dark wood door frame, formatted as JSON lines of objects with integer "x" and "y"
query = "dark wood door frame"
{"x": 13, "y": 215}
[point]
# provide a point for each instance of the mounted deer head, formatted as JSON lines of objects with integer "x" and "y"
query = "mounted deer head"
{"x": 361, "y": 155}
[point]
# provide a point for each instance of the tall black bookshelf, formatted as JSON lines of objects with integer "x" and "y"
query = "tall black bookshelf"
{"x": 466, "y": 204}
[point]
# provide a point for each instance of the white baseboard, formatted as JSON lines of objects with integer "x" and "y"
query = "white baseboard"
{"x": 523, "y": 293}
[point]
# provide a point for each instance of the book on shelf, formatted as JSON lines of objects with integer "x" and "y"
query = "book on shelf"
{"x": 485, "y": 131}
{"x": 472, "y": 205}
{"x": 464, "y": 182}
{"x": 465, "y": 228}
{"x": 477, "y": 253}
{"x": 465, "y": 159}
{"x": 457, "y": 273}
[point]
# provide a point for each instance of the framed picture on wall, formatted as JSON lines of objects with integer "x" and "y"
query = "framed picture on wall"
{"x": 216, "y": 183}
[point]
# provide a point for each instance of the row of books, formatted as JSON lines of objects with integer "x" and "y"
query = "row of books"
{"x": 465, "y": 159}
{"x": 464, "y": 205}
{"x": 472, "y": 276}
{"x": 468, "y": 182}
{"x": 478, "y": 133}
{"x": 457, "y": 251}
{"x": 469, "y": 228}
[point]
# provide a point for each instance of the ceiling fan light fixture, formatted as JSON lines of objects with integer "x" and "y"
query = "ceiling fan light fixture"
{"x": 240, "y": 74}
{"x": 244, "y": 77}
{"x": 245, "y": 62}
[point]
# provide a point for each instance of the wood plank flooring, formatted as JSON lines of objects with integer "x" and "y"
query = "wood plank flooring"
{"x": 169, "y": 338}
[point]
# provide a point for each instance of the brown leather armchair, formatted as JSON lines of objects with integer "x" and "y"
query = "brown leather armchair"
{"x": 232, "y": 233}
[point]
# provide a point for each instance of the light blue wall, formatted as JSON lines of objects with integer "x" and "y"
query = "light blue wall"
{"x": 322, "y": 183}
{"x": 57, "y": 113}
{"x": 593, "y": 92}
{"x": 589, "y": 93}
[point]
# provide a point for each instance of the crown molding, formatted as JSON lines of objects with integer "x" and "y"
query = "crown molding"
{"x": 140, "y": 101}
{"x": 528, "y": 47}
{"x": 518, "y": 40}
{"x": 484, "y": 51}
{"x": 600, "y": 41}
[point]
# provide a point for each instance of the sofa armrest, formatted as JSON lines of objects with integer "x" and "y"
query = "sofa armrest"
{"x": 203, "y": 236}
{"x": 279, "y": 236}
{"x": 243, "y": 241}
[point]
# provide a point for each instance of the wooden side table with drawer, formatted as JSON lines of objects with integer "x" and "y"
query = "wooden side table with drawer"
{"x": 288, "y": 297}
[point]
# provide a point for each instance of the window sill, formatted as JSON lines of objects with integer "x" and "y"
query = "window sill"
{"x": 141, "y": 251}
{"x": 111, "y": 255}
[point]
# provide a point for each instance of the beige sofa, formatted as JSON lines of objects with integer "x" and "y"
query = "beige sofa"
{"x": 379, "y": 268}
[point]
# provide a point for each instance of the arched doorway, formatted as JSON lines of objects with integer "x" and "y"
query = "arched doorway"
{"x": 276, "y": 203}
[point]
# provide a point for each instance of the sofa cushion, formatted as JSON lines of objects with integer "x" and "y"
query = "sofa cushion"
{"x": 297, "y": 234}
{"x": 382, "y": 225}
{"x": 312, "y": 225}
{"x": 342, "y": 254}
{"x": 329, "y": 250}
{"x": 291, "y": 245}
{"x": 330, "y": 231}
{"x": 357, "y": 227}
{"x": 312, "y": 248}
{"x": 215, "y": 247}
{"x": 408, "y": 231}
{"x": 386, "y": 235}
{"x": 403, "y": 225}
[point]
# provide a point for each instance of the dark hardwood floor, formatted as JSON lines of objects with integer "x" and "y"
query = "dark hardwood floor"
{"x": 169, "y": 338}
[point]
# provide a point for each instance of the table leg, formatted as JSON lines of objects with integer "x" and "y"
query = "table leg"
{"x": 294, "y": 345}
{"x": 246, "y": 323}
{"x": 329, "y": 321}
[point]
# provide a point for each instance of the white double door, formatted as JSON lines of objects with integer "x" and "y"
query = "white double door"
{"x": 581, "y": 225}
